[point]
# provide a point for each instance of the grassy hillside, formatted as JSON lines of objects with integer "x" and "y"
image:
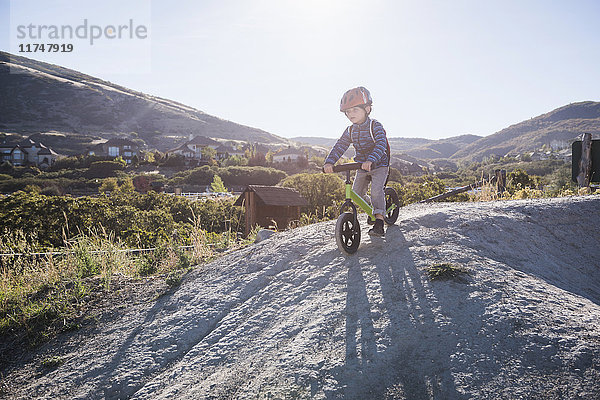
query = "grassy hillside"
{"x": 561, "y": 126}
{"x": 40, "y": 97}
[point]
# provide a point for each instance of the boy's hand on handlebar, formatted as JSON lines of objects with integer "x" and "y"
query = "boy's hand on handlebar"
{"x": 367, "y": 166}
{"x": 328, "y": 168}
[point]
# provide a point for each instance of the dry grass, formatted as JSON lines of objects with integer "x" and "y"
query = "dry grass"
{"x": 40, "y": 294}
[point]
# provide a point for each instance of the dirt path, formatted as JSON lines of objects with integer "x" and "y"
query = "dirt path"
{"x": 291, "y": 317}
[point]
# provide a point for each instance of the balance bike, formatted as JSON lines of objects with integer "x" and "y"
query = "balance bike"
{"x": 347, "y": 228}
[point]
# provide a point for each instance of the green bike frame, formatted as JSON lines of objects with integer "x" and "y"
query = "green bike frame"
{"x": 359, "y": 201}
{"x": 353, "y": 197}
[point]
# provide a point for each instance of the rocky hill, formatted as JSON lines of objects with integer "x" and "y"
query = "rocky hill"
{"x": 442, "y": 148}
{"x": 560, "y": 126}
{"x": 38, "y": 97}
{"x": 292, "y": 317}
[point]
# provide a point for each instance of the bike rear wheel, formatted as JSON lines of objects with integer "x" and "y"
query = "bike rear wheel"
{"x": 347, "y": 233}
{"x": 391, "y": 198}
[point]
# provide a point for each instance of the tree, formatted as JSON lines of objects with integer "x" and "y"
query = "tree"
{"x": 217, "y": 185}
{"x": 104, "y": 169}
{"x": 142, "y": 183}
{"x": 302, "y": 162}
{"x": 519, "y": 179}
{"x": 208, "y": 153}
{"x": 321, "y": 190}
{"x": 108, "y": 185}
{"x": 258, "y": 159}
{"x": 234, "y": 161}
{"x": 174, "y": 160}
{"x": 126, "y": 185}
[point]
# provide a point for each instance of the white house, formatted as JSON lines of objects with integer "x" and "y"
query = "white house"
{"x": 287, "y": 155}
{"x": 193, "y": 147}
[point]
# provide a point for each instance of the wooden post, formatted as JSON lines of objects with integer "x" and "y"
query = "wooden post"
{"x": 500, "y": 180}
{"x": 585, "y": 163}
{"x": 250, "y": 211}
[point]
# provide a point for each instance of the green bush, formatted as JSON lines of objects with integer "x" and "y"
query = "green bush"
{"x": 231, "y": 176}
{"x": 104, "y": 169}
{"x": 136, "y": 219}
{"x": 321, "y": 190}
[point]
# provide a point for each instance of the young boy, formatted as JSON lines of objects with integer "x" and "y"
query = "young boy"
{"x": 370, "y": 142}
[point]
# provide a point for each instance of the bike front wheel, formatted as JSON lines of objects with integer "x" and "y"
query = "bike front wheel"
{"x": 347, "y": 233}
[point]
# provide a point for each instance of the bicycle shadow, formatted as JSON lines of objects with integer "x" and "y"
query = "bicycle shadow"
{"x": 395, "y": 346}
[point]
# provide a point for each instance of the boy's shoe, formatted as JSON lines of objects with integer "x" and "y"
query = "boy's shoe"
{"x": 377, "y": 229}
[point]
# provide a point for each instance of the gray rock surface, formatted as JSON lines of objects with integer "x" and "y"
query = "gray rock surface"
{"x": 292, "y": 316}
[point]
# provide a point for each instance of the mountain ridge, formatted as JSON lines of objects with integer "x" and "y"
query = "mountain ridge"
{"x": 564, "y": 124}
{"x": 43, "y": 97}
{"x": 49, "y": 98}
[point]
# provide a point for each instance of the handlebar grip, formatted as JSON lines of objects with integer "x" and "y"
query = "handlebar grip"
{"x": 347, "y": 167}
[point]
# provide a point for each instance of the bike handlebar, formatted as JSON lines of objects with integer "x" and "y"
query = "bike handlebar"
{"x": 347, "y": 167}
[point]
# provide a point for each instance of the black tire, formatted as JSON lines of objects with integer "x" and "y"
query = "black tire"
{"x": 391, "y": 197}
{"x": 347, "y": 233}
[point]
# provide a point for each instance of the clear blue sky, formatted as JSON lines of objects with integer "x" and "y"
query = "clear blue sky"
{"x": 435, "y": 68}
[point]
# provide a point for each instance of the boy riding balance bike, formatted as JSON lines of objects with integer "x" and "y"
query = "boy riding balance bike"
{"x": 373, "y": 157}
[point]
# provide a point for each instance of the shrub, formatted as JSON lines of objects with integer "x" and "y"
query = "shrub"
{"x": 135, "y": 218}
{"x": 104, "y": 169}
{"x": 321, "y": 190}
{"x": 445, "y": 271}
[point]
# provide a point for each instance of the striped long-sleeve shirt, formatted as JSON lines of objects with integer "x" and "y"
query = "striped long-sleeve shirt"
{"x": 368, "y": 148}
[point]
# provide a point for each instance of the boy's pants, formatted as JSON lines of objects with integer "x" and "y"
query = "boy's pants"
{"x": 378, "y": 177}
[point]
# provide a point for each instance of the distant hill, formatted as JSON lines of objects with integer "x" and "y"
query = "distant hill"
{"x": 413, "y": 147}
{"x": 44, "y": 97}
{"x": 560, "y": 127}
{"x": 442, "y": 148}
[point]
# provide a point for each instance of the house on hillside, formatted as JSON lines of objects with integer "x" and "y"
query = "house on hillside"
{"x": 28, "y": 152}
{"x": 270, "y": 205}
{"x": 193, "y": 149}
{"x": 116, "y": 147}
{"x": 224, "y": 151}
{"x": 197, "y": 143}
{"x": 288, "y": 155}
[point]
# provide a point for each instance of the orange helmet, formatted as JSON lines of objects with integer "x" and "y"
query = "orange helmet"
{"x": 359, "y": 96}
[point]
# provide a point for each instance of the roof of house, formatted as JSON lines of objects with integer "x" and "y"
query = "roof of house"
{"x": 28, "y": 143}
{"x": 46, "y": 150}
{"x": 274, "y": 196}
{"x": 120, "y": 142}
{"x": 288, "y": 151}
{"x": 183, "y": 148}
{"x": 18, "y": 147}
{"x": 25, "y": 144}
{"x": 203, "y": 141}
{"x": 224, "y": 149}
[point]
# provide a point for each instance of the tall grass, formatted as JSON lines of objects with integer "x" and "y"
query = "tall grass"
{"x": 43, "y": 294}
{"x": 488, "y": 191}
